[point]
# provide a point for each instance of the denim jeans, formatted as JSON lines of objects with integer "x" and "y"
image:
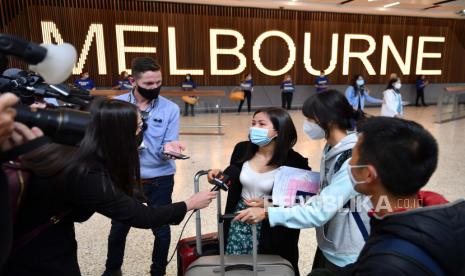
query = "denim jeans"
{"x": 157, "y": 193}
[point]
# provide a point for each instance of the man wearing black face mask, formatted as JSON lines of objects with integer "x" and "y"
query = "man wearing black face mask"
{"x": 161, "y": 134}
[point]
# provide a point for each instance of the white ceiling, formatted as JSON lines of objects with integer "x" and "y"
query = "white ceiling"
{"x": 404, "y": 8}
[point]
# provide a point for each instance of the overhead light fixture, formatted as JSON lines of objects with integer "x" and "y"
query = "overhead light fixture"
{"x": 392, "y": 4}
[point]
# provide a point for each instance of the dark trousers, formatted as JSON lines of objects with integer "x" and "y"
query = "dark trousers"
{"x": 186, "y": 109}
{"x": 286, "y": 99}
{"x": 157, "y": 193}
{"x": 248, "y": 96}
{"x": 420, "y": 95}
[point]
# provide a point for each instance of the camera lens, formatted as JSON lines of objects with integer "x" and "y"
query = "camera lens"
{"x": 64, "y": 126}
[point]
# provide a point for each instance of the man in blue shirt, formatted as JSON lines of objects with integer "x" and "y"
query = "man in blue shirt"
{"x": 85, "y": 83}
{"x": 161, "y": 134}
{"x": 321, "y": 83}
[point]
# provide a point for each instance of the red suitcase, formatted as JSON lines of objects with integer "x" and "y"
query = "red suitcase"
{"x": 187, "y": 252}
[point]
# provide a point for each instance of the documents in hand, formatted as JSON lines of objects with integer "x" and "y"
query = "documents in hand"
{"x": 292, "y": 186}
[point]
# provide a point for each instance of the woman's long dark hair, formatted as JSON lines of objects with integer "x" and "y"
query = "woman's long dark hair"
{"x": 109, "y": 140}
{"x": 286, "y": 139}
{"x": 330, "y": 108}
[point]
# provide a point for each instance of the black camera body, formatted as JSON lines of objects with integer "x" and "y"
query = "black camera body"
{"x": 64, "y": 126}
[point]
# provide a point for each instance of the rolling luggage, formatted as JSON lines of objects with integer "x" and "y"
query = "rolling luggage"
{"x": 232, "y": 265}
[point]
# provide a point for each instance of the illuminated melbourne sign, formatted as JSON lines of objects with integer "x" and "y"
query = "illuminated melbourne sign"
{"x": 95, "y": 32}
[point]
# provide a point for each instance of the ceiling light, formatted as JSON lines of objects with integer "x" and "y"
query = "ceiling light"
{"x": 392, "y": 4}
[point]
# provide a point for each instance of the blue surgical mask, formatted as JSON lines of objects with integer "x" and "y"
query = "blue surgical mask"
{"x": 314, "y": 131}
{"x": 360, "y": 82}
{"x": 259, "y": 136}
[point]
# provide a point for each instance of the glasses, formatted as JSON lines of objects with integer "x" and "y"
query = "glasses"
{"x": 143, "y": 123}
{"x": 140, "y": 125}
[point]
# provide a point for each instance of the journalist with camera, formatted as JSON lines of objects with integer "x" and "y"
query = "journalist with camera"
{"x": 69, "y": 182}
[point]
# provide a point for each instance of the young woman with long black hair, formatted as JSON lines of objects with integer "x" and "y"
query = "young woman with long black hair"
{"x": 71, "y": 184}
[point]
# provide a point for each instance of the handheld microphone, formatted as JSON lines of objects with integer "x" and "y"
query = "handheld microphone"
{"x": 53, "y": 62}
{"x": 225, "y": 179}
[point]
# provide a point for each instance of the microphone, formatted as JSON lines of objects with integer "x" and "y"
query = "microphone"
{"x": 224, "y": 180}
{"x": 53, "y": 62}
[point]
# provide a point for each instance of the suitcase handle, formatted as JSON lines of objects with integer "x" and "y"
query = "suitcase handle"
{"x": 238, "y": 267}
{"x": 198, "y": 227}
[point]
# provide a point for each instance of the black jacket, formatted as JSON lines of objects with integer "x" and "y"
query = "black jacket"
{"x": 5, "y": 220}
{"x": 54, "y": 250}
{"x": 438, "y": 230}
{"x": 278, "y": 240}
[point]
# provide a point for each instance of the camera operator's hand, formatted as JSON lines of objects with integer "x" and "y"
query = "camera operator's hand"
{"x": 21, "y": 134}
{"x": 212, "y": 174}
{"x": 7, "y": 115}
{"x": 39, "y": 105}
{"x": 200, "y": 200}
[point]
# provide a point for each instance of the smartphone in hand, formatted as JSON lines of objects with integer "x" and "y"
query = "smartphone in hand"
{"x": 175, "y": 155}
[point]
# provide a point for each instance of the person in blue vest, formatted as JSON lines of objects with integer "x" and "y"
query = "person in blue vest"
{"x": 124, "y": 83}
{"x": 357, "y": 94}
{"x": 287, "y": 91}
{"x": 247, "y": 87}
{"x": 421, "y": 84}
{"x": 85, "y": 83}
{"x": 188, "y": 85}
{"x": 321, "y": 83}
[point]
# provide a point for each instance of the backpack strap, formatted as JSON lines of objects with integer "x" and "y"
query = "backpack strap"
{"x": 409, "y": 251}
{"x": 360, "y": 224}
{"x": 343, "y": 157}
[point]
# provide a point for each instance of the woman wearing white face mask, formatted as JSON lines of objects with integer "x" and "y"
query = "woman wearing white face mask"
{"x": 392, "y": 102}
{"x": 272, "y": 137}
{"x": 340, "y": 233}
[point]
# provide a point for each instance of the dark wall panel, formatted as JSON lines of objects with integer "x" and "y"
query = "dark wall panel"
{"x": 193, "y": 22}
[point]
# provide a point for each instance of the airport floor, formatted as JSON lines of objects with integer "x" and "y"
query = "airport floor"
{"x": 214, "y": 152}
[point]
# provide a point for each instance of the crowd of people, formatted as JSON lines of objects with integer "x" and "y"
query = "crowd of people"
{"x": 383, "y": 162}
{"x": 357, "y": 93}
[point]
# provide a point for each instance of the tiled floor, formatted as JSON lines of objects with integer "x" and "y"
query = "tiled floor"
{"x": 214, "y": 152}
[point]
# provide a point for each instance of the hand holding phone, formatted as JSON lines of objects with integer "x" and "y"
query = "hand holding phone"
{"x": 175, "y": 155}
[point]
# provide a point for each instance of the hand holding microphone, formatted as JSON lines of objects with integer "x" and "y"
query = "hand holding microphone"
{"x": 200, "y": 200}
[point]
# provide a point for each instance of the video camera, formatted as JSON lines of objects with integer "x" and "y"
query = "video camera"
{"x": 54, "y": 64}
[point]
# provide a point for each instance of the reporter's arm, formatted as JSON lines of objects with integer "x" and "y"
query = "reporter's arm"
{"x": 95, "y": 192}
